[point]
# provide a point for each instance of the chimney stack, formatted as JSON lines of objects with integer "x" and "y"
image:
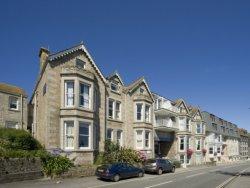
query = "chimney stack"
{"x": 43, "y": 55}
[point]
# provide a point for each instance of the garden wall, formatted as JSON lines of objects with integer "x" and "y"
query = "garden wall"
{"x": 17, "y": 169}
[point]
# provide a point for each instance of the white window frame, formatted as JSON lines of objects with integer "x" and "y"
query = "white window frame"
{"x": 115, "y": 85}
{"x": 11, "y": 98}
{"x": 149, "y": 113}
{"x": 120, "y": 141}
{"x": 86, "y": 124}
{"x": 118, "y": 111}
{"x": 149, "y": 137}
{"x": 200, "y": 125}
{"x": 16, "y": 126}
{"x": 112, "y": 134}
{"x": 136, "y": 112}
{"x": 82, "y": 95}
{"x": 66, "y": 94}
{"x": 197, "y": 142}
{"x": 112, "y": 110}
{"x": 65, "y": 134}
{"x": 136, "y": 139}
{"x": 180, "y": 138}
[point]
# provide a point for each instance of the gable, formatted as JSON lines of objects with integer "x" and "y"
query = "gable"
{"x": 183, "y": 108}
{"x": 116, "y": 79}
{"x": 141, "y": 88}
{"x": 198, "y": 115}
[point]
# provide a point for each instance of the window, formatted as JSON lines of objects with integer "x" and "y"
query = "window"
{"x": 139, "y": 136}
{"x": 69, "y": 134}
{"x": 198, "y": 128}
{"x": 198, "y": 144}
{"x": 84, "y": 129}
{"x": 182, "y": 140}
{"x": 147, "y": 135}
{"x": 69, "y": 93}
{"x": 13, "y": 103}
{"x": 114, "y": 86}
{"x": 118, "y": 110}
{"x": 119, "y": 137}
{"x": 111, "y": 108}
{"x": 147, "y": 113}
{"x": 182, "y": 158}
{"x": 11, "y": 124}
{"x": 211, "y": 150}
{"x": 84, "y": 95}
{"x": 80, "y": 63}
{"x": 139, "y": 112}
{"x": 44, "y": 88}
{"x": 110, "y": 134}
{"x": 141, "y": 90}
{"x": 218, "y": 150}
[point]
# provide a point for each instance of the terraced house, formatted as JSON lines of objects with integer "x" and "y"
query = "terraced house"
{"x": 222, "y": 139}
{"x": 179, "y": 131}
{"x": 243, "y": 143}
{"x": 75, "y": 108}
{"x": 13, "y": 107}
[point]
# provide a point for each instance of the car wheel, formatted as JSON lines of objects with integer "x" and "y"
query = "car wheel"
{"x": 159, "y": 171}
{"x": 116, "y": 178}
{"x": 140, "y": 174}
{"x": 173, "y": 169}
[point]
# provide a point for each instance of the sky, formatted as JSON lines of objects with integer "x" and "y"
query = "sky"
{"x": 195, "y": 50}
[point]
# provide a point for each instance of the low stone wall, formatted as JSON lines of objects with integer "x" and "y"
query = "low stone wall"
{"x": 80, "y": 171}
{"x": 17, "y": 169}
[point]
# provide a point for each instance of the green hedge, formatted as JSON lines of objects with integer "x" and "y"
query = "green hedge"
{"x": 19, "y": 144}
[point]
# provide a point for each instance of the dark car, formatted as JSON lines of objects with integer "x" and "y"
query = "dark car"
{"x": 118, "y": 171}
{"x": 159, "y": 166}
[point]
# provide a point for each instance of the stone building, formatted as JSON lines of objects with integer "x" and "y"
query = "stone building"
{"x": 243, "y": 143}
{"x": 222, "y": 139}
{"x": 13, "y": 107}
{"x": 75, "y": 108}
{"x": 179, "y": 131}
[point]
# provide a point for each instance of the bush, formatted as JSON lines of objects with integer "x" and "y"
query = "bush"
{"x": 18, "y": 140}
{"x": 176, "y": 163}
{"x": 56, "y": 165}
{"x": 114, "y": 153}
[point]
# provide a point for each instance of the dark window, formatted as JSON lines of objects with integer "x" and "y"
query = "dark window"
{"x": 44, "y": 88}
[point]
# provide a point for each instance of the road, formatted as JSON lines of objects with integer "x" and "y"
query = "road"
{"x": 195, "y": 177}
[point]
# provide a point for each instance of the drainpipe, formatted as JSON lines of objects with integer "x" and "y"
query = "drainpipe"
{"x": 21, "y": 106}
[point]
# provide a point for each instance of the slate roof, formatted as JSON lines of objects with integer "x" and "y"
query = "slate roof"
{"x": 12, "y": 89}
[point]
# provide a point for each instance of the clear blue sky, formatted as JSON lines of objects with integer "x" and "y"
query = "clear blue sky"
{"x": 196, "y": 50}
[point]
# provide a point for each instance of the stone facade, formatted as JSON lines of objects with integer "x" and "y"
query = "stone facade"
{"x": 70, "y": 105}
{"x": 13, "y": 107}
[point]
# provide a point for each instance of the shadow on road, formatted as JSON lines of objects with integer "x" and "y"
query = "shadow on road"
{"x": 232, "y": 173}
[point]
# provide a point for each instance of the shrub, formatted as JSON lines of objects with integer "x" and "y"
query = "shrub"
{"x": 18, "y": 140}
{"x": 176, "y": 163}
{"x": 54, "y": 166}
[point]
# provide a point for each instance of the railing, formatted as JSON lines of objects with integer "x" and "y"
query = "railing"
{"x": 165, "y": 104}
{"x": 166, "y": 123}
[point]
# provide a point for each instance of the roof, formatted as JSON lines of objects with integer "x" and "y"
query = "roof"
{"x": 115, "y": 73}
{"x": 12, "y": 89}
{"x": 130, "y": 87}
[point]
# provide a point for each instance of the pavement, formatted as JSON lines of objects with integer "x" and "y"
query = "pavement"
{"x": 229, "y": 176}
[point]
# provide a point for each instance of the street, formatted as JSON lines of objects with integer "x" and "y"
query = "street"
{"x": 194, "y": 177}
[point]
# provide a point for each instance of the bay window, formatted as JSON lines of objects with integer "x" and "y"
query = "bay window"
{"x": 117, "y": 110}
{"x": 69, "y": 134}
{"x": 111, "y": 108}
{"x": 84, "y": 95}
{"x": 114, "y": 109}
{"x": 69, "y": 93}
{"x": 198, "y": 128}
{"x": 84, "y": 135}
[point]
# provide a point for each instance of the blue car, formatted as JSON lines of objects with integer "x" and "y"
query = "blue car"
{"x": 118, "y": 171}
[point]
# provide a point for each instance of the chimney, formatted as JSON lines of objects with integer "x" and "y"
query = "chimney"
{"x": 43, "y": 55}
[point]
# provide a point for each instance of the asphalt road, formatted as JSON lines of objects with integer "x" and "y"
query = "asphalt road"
{"x": 195, "y": 177}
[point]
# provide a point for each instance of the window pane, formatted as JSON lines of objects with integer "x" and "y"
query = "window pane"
{"x": 139, "y": 138}
{"x": 69, "y": 134}
{"x": 84, "y": 95}
{"x": 83, "y": 134}
{"x": 139, "y": 111}
{"x": 11, "y": 124}
{"x": 117, "y": 110}
{"x": 69, "y": 92}
{"x": 111, "y": 102}
{"x": 147, "y": 139}
{"x": 13, "y": 103}
{"x": 109, "y": 134}
{"x": 147, "y": 111}
{"x": 119, "y": 137}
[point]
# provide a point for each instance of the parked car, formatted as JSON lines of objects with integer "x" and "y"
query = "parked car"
{"x": 118, "y": 171}
{"x": 159, "y": 166}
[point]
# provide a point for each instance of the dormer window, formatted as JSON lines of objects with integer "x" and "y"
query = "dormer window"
{"x": 80, "y": 64}
{"x": 114, "y": 87}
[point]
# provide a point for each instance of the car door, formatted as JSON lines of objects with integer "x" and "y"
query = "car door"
{"x": 168, "y": 165}
{"x": 132, "y": 170}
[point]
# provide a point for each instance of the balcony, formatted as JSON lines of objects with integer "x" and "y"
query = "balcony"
{"x": 166, "y": 125}
{"x": 165, "y": 107}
